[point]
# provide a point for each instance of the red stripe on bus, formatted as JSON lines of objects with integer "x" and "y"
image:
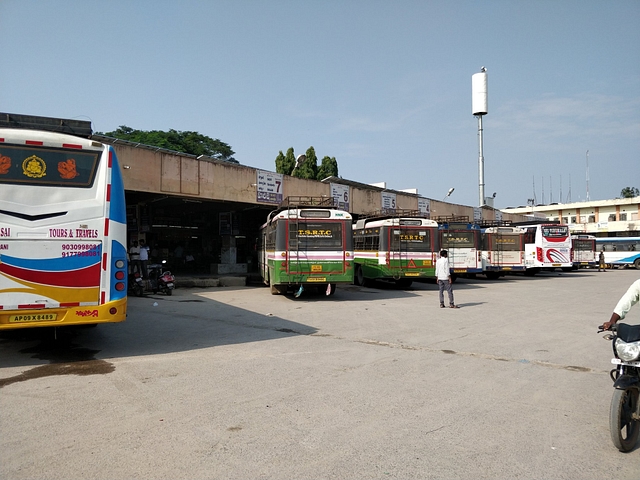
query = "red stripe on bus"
{"x": 102, "y": 298}
{"x": 32, "y": 305}
{"x": 70, "y": 304}
{"x": 1, "y": 140}
{"x": 71, "y": 145}
{"x": 104, "y": 262}
{"x": 106, "y": 227}
{"x": 33, "y": 142}
{"x": 108, "y": 192}
{"x": 110, "y": 157}
{"x": 84, "y": 277}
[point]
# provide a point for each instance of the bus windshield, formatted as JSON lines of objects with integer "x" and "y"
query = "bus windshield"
{"x": 47, "y": 166}
{"x": 410, "y": 239}
{"x": 315, "y": 235}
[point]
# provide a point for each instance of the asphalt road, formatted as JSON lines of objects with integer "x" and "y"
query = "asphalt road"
{"x": 234, "y": 383}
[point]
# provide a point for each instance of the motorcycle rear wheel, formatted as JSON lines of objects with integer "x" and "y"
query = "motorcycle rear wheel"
{"x": 624, "y": 430}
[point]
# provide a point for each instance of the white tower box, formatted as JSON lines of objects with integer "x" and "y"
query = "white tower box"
{"x": 479, "y": 93}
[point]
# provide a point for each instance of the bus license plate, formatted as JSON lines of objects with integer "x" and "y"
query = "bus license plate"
{"x": 316, "y": 268}
{"x": 412, "y": 274}
{"x": 316, "y": 279}
{"x": 556, "y": 264}
{"x": 35, "y": 317}
{"x": 459, "y": 270}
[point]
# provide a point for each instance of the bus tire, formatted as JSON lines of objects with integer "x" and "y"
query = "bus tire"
{"x": 275, "y": 289}
{"x": 358, "y": 278}
{"x": 331, "y": 289}
{"x": 637, "y": 263}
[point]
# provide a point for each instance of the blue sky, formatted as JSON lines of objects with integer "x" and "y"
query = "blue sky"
{"x": 385, "y": 87}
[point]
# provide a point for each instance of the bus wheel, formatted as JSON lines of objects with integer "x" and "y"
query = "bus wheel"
{"x": 331, "y": 289}
{"x": 359, "y": 276}
{"x": 637, "y": 263}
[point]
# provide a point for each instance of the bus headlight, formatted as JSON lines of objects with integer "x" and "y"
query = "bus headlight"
{"x": 627, "y": 351}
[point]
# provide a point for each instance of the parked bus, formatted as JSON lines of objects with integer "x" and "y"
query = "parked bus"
{"x": 620, "y": 251}
{"x": 307, "y": 242}
{"x": 583, "y": 251}
{"x": 547, "y": 246}
{"x": 502, "y": 251}
{"x": 398, "y": 247}
{"x": 63, "y": 258}
{"x": 462, "y": 240}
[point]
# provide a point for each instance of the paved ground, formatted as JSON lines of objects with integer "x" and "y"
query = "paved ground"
{"x": 371, "y": 383}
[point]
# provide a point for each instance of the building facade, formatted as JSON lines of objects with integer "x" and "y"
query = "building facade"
{"x": 619, "y": 217}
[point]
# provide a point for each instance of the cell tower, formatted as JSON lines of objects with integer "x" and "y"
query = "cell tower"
{"x": 479, "y": 109}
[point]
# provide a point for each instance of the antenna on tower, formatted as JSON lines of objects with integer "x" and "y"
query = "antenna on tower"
{"x": 560, "y": 188}
{"x": 542, "y": 190}
{"x": 588, "y": 198}
{"x": 535, "y": 201}
{"x": 569, "y": 194}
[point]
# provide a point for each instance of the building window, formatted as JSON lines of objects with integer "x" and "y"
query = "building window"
{"x": 612, "y": 217}
{"x": 623, "y": 217}
{"x": 565, "y": 220}
{"x": 592, "y": 219}
{"x": 573, "y": 219}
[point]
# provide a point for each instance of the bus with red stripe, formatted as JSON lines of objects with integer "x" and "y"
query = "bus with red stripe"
{"x": 63, "y": 258}
{"x": 547, "y": 246}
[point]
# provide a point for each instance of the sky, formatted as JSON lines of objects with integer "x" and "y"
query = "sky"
{"x": 382, "y": 86}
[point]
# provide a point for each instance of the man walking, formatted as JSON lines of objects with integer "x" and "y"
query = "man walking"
{"x": 443, "y": 274}
{"x": 601, "y": 265}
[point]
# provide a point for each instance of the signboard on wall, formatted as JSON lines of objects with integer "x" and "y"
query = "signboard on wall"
{"x": 424, "y": 206}
{"x": 340, "y": 195}
{"x": 269, "y": 187}
{"x": 498, "y": 214}
{"x": 388, "y": 200}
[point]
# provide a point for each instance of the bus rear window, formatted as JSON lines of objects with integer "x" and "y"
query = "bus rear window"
{"x": 55, "y": 167}
{"x": 460, "y": 239}
{"x": 410, "y": 239}
{"x": 315, "y": 235}
{"x": 555, "y": 231}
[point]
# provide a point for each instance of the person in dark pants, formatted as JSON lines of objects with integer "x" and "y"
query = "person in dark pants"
{"x": 443, "y": 274}
{"x": 601, "y": 265}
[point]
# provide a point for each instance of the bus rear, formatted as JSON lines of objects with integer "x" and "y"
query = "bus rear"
{"x": 463, "y": 245}
{"x": 502, "y": 250}
{"x": 583, "y": 251}
{"x": 547, "y": 247}
{"x": 62, "y": 231}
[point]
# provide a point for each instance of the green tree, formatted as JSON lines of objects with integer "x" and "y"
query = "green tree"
{"x": 328, "y": 168}
{"x": 309, "y": 169}
{"x": 289, "y": 161}
{"x": 192, "y": 143}
{"x": 280, "y": 163}
{"x": 629, "y": 192}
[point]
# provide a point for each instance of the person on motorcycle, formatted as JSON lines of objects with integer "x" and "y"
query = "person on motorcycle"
{"x": 628, "y": 300}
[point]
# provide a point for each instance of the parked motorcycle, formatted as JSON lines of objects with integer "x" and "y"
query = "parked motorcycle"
{"x": 160, "y": 280}
{"x": 624, "y": 415}
{"x": 135, "y": 284}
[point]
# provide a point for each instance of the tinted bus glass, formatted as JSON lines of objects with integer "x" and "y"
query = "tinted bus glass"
{"x": 315, "y": 235}
{"x": 555, "y": 231}
{"x": 410, "y": 239}
{"x": 583, "y": 245}
{"x": 47, "y": 166}
{"x": 462, "y": 239}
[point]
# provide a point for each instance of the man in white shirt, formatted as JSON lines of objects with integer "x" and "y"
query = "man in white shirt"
{"x": 144, "y": 258}
{"x": 443, "y": 274}
{"x": 628, "y": 300}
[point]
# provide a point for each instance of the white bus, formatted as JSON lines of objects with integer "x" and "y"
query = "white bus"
{"x": 462, "y": 240}
{"x": 502, "y": 251}
{"x": 547, "y": 246}
{"x": 620, "y": 251}
{"x": 62, "y": 231}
